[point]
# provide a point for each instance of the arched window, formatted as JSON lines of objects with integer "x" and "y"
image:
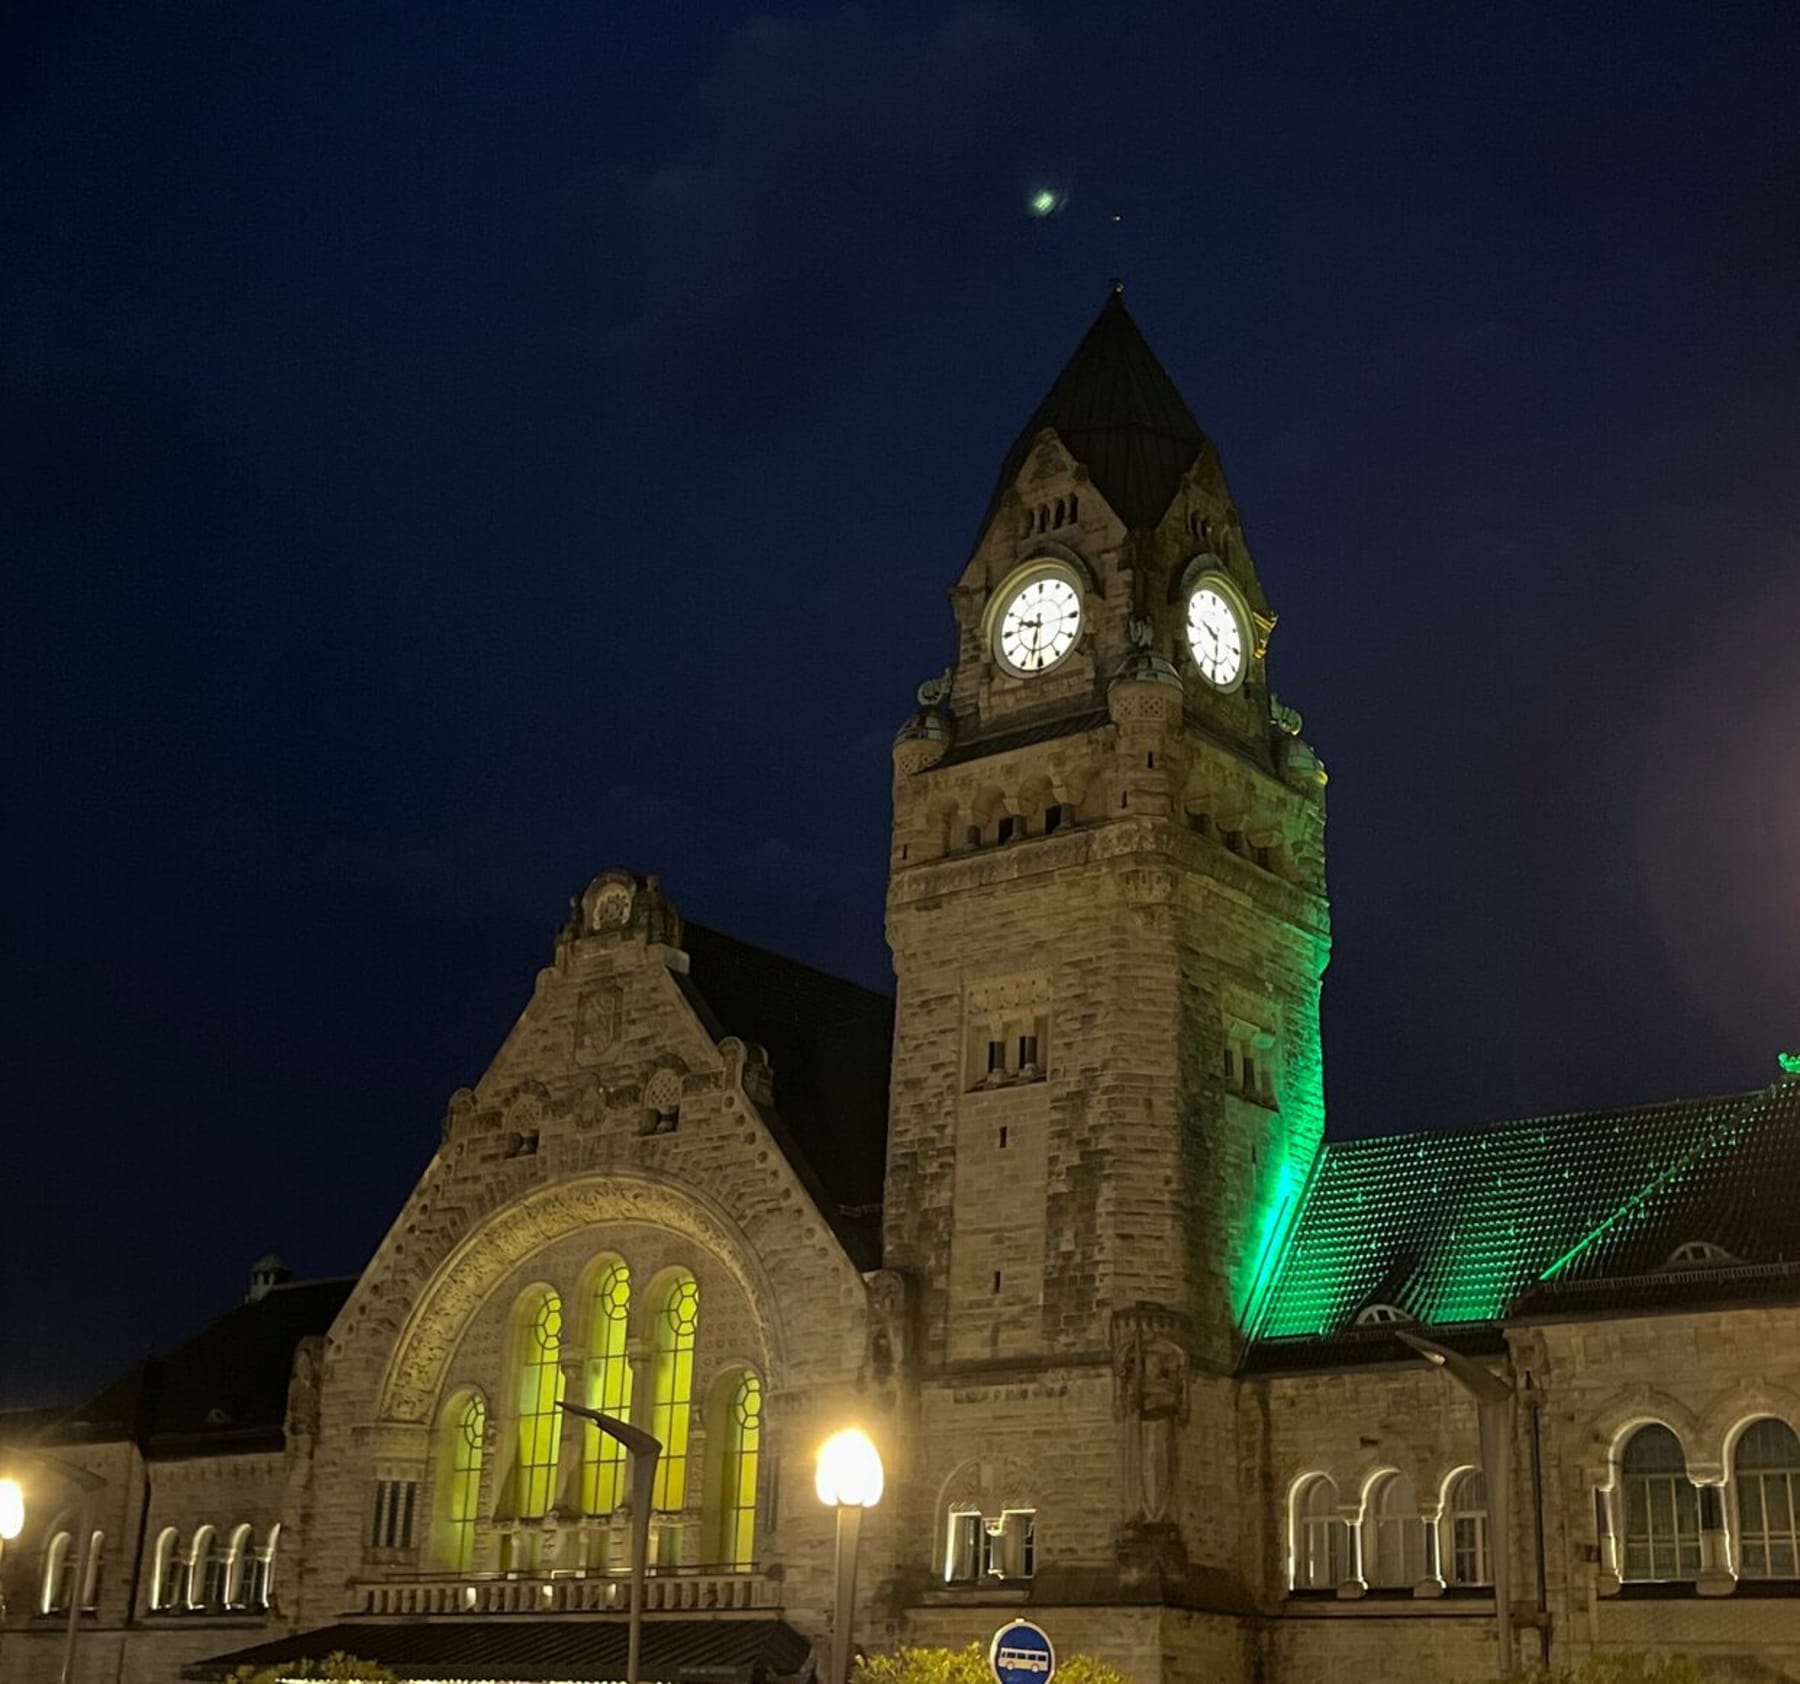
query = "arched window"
{"x": 608, "y": 1390}
{"x": 1321, "y": 1539}
{"x": 240, "y": 1566}
{"x": 736, "y": 1427}
{"x": 677, "y": 1320}
{"x": 1765, "y": 1469}
{"x": 262, "y": 1584}
{"x": 462, "y": 1434}
{"x": 1662, "y": 1508}
{"x": 59, "y": 1574}
{"x": 538, "y": 1368}
{"x": 211, "y": 1569}
{"x": 1467, "y": 1556}
{"x": 168, "y": 1586}
{"x": 90, "y": 1579}
{"x": 1394, "y": 1535}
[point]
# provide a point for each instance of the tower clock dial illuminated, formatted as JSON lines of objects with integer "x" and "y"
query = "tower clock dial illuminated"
{"x": 1216, "y": 636}
{"x": 1038, "y": 625}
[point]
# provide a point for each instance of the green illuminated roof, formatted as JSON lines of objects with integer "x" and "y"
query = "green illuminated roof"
{"x": 1456, "y": 1226}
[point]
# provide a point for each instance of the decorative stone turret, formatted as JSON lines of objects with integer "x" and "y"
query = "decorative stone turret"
{"x": 1146, "y": 689}
{"x": 926, "y": 736}
{"x": 266, "y": 1272}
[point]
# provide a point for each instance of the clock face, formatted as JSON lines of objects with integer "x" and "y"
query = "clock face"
{"x": 1215, "y": 637}
{"x": 1039, "y": 625}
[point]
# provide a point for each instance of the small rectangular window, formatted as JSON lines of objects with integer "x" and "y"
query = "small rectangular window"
{"x": 1008, "y": 828}
{"x": 1230, "y": 1065}
{"x": 997, "y": 1280}
{"x": 996, "y": 1057}
{"x": 964, "y": 1550}
{"x": 1003, "y": 1137}
{"x": 1027, "y": 1050}
{"x": 1249, "y": 1074}
{"x": 1053, "y": 818}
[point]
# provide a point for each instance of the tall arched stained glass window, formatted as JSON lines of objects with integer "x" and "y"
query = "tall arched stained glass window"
{"x": 741, "y": 1427}
{"x": 677, "y": 1320}
{"x": 608, "y": 1389}
{"x": 539, "y": 1388}
{"x": 463, "y": 1434}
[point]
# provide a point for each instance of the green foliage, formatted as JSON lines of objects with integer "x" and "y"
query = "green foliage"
{"x": 336, "y": 1668}
{"x": 969, "y": 1666}
{"x": 1621, "y": 1667}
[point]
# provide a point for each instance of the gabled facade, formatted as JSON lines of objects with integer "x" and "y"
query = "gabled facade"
{"x": 1058, "y": 1225}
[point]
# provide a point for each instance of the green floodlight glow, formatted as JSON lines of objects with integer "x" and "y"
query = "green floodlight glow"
{"x": 1458, "y": 1225}
{"x": 1044, "y": 201}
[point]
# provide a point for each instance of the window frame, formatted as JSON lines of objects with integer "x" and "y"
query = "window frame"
{"x": 1640, "y": 1489}
{"x": 1763, "y": 1478}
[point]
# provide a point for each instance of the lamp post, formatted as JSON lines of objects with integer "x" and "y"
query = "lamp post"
{"x": 643, "y": 1450}
{"x": 12, "y": 1523}
{"x": 849, "y": 1479}
{"x": 1494, "y": 1405}
{"x": 12, "y": 1514}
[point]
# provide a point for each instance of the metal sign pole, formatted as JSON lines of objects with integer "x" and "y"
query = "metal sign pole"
{"x": 643, "y": 1451}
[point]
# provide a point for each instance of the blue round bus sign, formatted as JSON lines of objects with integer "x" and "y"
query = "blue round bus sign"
{"x": 1021, "y": 1653}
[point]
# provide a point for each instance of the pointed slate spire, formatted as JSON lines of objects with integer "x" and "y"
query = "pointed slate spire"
{"x": 1118, "y": 412}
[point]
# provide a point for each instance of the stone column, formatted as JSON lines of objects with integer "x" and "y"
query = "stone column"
{"x": 1433, "y": 1582}
{"x": 1716, "y": 1577}
{"x": 1352, "y": 1585}
{"x": 1606, "y": 1538}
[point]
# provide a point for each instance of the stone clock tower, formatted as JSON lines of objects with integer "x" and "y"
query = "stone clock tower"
{"x": 1108, "y": 921}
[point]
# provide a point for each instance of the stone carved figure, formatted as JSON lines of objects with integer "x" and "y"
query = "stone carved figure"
{"x": 597, "y": 1023}
{"x": 303, "y": 1389}
{"x": 888, "y": 1356}
{"x": 1150, "y": 1397}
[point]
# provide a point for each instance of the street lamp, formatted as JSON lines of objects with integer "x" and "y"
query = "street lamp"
{"x": 849, "y": 1479}
{"x": 643, "y": 1450}
{"x": 1493, "y": 1413}
{"x": 12, "y": 1515}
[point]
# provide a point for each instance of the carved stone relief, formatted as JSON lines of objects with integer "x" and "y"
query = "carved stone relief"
{"x": 1150, "y": 1398}
{"x": 538, "y": 1218}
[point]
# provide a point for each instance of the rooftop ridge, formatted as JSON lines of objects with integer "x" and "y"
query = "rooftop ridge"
{"x": 1498, "y": 1125}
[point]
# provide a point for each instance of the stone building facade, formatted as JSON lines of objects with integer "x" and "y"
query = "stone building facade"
{"x": 1058, "y": 1225}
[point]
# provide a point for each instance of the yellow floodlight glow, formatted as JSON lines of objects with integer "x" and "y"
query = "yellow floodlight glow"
{"x": 12, "y": 1510}
{"x": 849, "y": 1472}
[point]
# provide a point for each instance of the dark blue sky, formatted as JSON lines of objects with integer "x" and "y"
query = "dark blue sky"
{"x": 450, "y": 450}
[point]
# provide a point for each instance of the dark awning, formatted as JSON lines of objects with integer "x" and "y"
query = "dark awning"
{"x": 741, "y": 1651}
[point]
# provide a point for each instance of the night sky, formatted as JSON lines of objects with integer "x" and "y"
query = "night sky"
{"x": 452, "y": 450}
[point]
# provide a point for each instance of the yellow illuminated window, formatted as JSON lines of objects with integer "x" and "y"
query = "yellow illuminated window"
{"x": 464, "y": 1433}
{"x": 674, "y": 1382}
{"x": 540, "y": 1387}
{"x": 737, "y": 1488}
{"x": 609, "y": 1390}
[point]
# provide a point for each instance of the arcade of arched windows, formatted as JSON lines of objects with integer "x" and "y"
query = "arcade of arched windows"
{"x": 514, "y": 1484}
{"x": 1669, "y": 1509}
{"x": 994, "y": 817}
{"x": 213, "y": 1569}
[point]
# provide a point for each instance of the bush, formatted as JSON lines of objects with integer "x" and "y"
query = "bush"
{"x": 336, "y": 1668}
{"x": 969, "y": 1666}
{"x": 1621, "y": 1667}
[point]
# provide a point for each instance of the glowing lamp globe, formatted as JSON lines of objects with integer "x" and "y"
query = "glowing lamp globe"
{"x": 12, "y": 1510}
{"x": 849, "y": 1473}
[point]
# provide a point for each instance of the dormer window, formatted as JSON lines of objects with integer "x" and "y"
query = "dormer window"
{"x": 1381, "y": 1315}
{"x": 1700, "y": 1253}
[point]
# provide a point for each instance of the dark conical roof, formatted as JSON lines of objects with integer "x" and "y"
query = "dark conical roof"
{"x": 1118, "y": 412}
